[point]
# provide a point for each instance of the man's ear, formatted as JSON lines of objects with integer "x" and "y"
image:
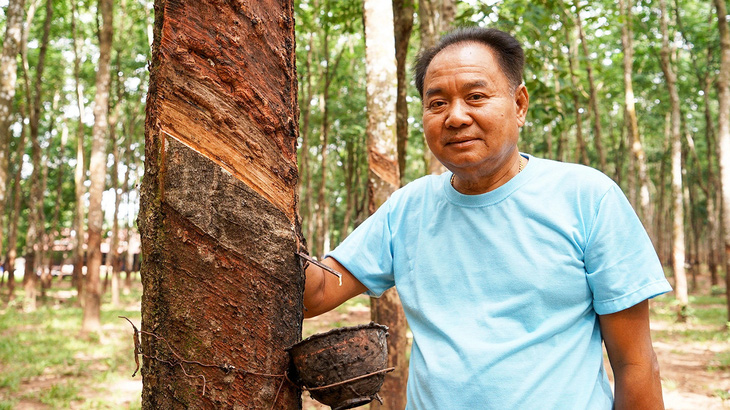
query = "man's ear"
{"x": 522, "y": 102}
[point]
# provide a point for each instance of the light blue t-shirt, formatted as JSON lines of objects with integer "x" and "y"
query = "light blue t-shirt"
{"x": 501, "y": 290}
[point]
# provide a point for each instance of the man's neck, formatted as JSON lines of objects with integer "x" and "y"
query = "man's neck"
{"x": 474, "y": 184}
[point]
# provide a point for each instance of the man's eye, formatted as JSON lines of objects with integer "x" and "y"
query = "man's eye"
{"x": 476, "y": 97}
{"x": 436, "y": 104}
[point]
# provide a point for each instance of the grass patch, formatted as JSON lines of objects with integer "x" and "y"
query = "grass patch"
{"x": 59, "y": 395}
{"x": 44, "y": 359}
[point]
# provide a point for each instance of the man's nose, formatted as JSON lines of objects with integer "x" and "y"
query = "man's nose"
{"x": 459, "y": 115}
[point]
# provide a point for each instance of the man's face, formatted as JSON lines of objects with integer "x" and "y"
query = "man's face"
{"x": 471, "y": 115}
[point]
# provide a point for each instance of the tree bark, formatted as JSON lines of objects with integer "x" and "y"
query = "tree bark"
{"x": 678, "y": 240}
{"x": 8, "y": 79}
{"x": 91, "y": 322}
{"x": 220, "y": 230}
{"x": 723, "y": 132}
{"x": 403, "y": 23}
{"x": 383, "y": 178}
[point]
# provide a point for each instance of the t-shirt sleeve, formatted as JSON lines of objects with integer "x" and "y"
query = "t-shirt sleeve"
{"x": 368, "y": 253}
{"x": 621, "y": 264}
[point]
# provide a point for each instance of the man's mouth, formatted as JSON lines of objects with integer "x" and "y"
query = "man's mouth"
{"x": 460, "y": 141}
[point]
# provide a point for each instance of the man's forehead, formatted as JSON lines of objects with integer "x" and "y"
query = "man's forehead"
{"x": 464, "y": 59}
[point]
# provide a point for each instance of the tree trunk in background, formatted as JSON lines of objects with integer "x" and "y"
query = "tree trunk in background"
{"x": 48, "y": 235}
{"x": 435, "y": 17}
{"x": 349, "y": 166}
{"x": 581, "y": 154}
{"x": 711, "y": 187}
{"x": 723, "y": 132}
{"x": 112, "y": 257}
{"x": 638, "y": 159}
{"x": 383, "y": 179}
{"x": 79, "y": 188}
{"x": 34, "y": 237}
{"x": 321, "y": 234}
{"x": 305, "y": 173}
{"x": 42, "y": 256}
{"x": 55, "y": 230}
{"x": 403, "y": 23}
{"x": 97, "y": 172}
{"x": 15, "y": 214}
{"x": 8, "y": 79}
{"x": 562, "y": 138}
{"x": 218, "y": 218}
{"x": 714, "y": 239}
{"x": 128, "y": 255}
{"x": 597, "y": 137}
{"x": 662, "y": 216}
{"x": 678, "y": 245}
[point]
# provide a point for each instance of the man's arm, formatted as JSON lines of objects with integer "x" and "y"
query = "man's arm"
{"x": 635, "y": 367}
{"x": 322, "y": 290}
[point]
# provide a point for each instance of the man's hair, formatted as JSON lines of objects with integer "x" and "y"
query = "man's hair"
{"x": 510, "y": 56}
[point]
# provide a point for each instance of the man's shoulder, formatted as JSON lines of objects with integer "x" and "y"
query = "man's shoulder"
{"x": 570, "y": 174}
{"x": 416, "y": 194}
{"x": 426, "y": 184}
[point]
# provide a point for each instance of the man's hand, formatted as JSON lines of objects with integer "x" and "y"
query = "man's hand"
{"x": 635, "y": 367}
{"x": 322, "y": 290}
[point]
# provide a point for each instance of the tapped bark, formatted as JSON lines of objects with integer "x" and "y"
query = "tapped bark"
{"x": 383, "y": 178}
{"x": 218, "y": 217}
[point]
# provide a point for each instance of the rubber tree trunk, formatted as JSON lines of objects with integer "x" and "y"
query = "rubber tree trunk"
{"x": 638, "y": 157}
{"x": 383, "y": 180}
{"x": 723, "y": 131}
{"x": 79, "y": 169}
{"x": 678, "y": 245}
{"x": 595, "y": 111}
{"x": 12, "y": 252}
{"x": 97, "y": 171}
{"x": 218, "y": 218}
{"x": 8, "y": 80}
{"x": 34, "y": 236}
{"x": 403, "y": 25}
{"x": 436, "y": 17}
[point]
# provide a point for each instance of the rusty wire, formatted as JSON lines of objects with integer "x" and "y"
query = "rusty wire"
{"x": 179, "y": 362}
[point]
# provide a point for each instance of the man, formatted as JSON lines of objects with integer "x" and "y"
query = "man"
{"x": 511, "y": 269}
